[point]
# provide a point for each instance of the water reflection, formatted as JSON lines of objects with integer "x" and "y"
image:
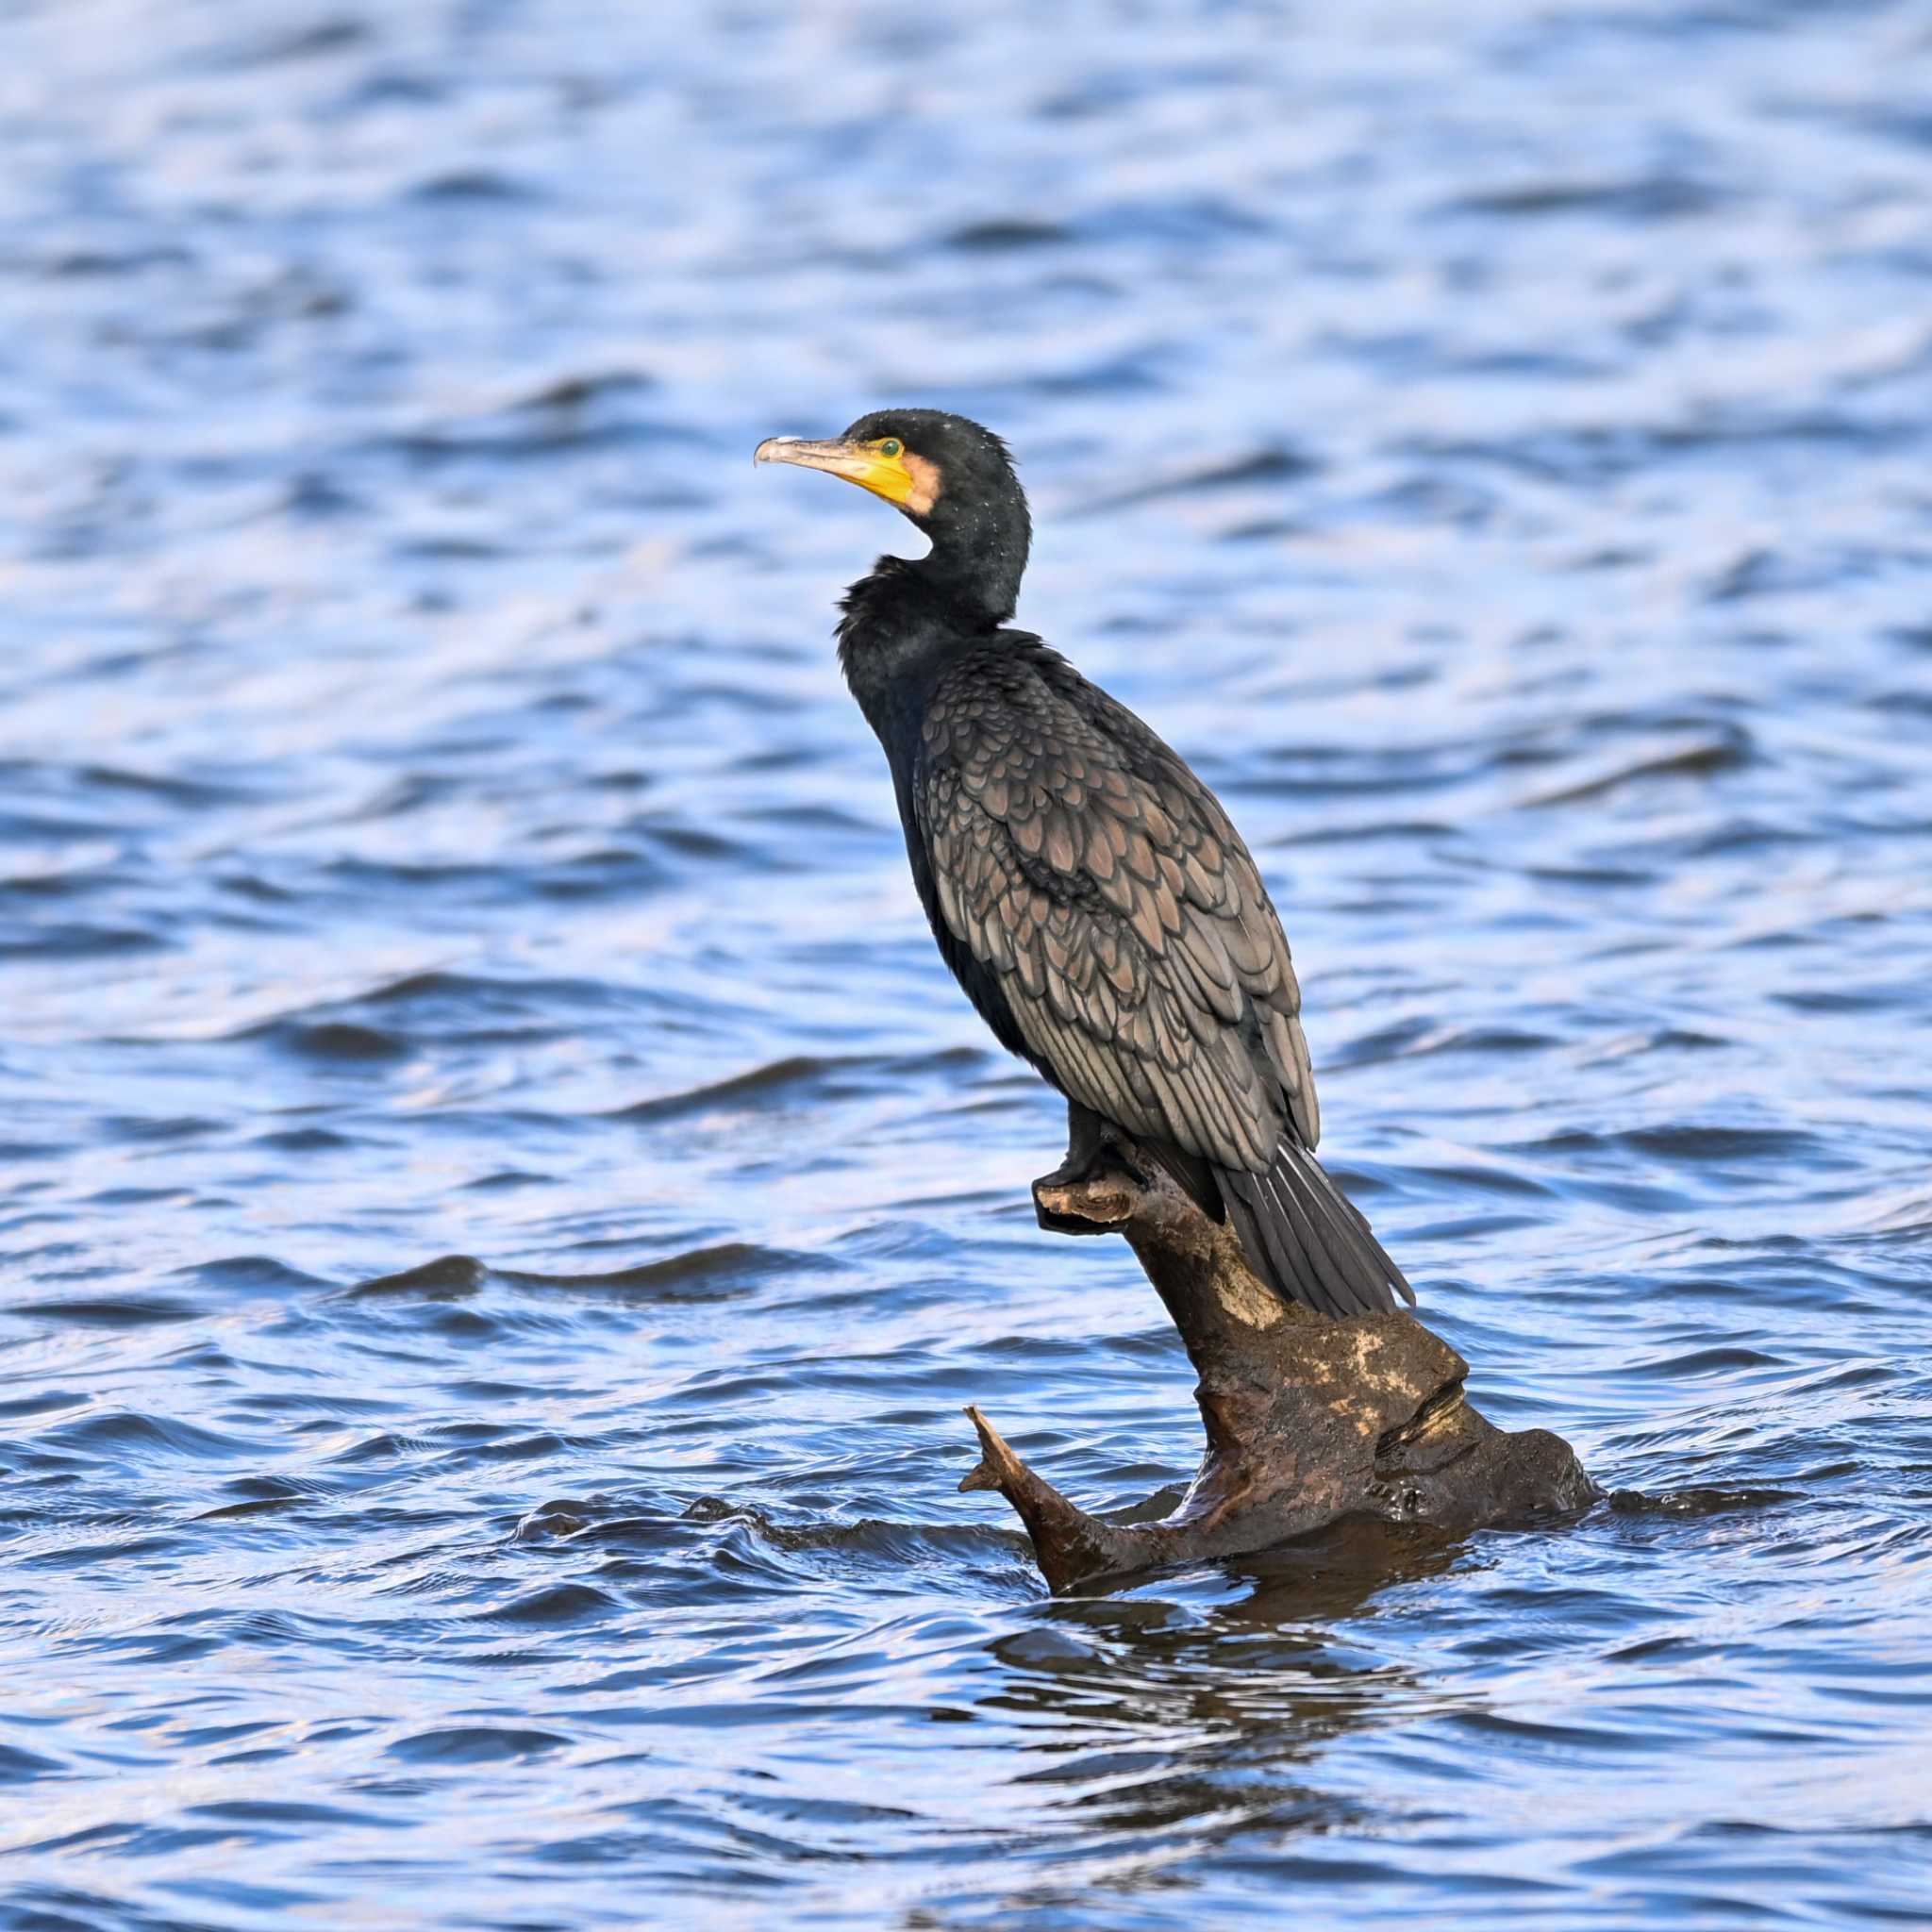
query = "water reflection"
{"x": 1198, "y": 1716}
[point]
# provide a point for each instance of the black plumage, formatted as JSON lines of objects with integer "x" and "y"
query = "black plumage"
{"x": 1085, "y": 889}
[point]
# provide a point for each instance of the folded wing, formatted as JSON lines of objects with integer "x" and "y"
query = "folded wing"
{"x": 1076, "y": 858}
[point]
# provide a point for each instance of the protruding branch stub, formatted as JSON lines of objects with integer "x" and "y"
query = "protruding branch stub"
{"x": 1307, "y": 1419}
{"x": 1101, "y": 1203}
{"x": 1068, "y": 1543}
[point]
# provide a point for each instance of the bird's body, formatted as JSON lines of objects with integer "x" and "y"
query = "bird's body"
{"x": 1086, "y": 890}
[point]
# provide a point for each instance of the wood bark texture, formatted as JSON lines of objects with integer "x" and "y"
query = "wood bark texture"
{"x": 1308, "y": 1419}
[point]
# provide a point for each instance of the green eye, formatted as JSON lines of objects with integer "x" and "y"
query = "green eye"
{"x": 890, "y": 448}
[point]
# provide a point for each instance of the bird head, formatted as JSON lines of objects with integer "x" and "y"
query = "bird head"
{"x": 951, "y": 477}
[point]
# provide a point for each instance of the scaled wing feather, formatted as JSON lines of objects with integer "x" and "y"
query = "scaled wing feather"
{"x": 1076, "y": 858}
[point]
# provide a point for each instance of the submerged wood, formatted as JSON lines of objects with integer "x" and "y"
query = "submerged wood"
{"x": 1308, "y": 1419}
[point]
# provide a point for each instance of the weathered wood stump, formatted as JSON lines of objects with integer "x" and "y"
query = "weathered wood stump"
{"x": 1308, "y": 1419}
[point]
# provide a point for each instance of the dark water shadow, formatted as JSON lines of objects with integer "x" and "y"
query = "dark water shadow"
{"x": 1158, "y": 1713}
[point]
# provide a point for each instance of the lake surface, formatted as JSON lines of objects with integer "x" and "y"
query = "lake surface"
{"x": 501, "y": 1206}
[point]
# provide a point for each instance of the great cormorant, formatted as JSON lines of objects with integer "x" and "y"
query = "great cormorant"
{"x": 1085, "y": 887}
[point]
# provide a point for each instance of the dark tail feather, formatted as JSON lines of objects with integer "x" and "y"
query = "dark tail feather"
{"x": 1195, "y": 1177}
{"x": 1307, "y": 1240}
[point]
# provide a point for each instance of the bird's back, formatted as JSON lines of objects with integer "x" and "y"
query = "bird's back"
{"x": 1075, "y": 866}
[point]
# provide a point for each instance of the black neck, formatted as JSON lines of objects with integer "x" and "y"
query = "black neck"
{"x": 977, "y": 559}
{"x": 906, "y": 612}
{"x": 899, "y": 625}
{"x": 892, "y": 622}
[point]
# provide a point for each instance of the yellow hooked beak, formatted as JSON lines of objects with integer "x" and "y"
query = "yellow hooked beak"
{"x": 868, "y": 464}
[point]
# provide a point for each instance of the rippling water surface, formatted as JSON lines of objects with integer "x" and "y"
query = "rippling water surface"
{"x": 501, "y": 1206}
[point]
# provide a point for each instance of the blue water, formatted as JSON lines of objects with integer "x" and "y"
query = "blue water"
{"x": 500, "y": 1204}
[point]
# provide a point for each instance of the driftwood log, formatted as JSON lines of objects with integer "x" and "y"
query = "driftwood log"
{"x": 1308, "y": 1419}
